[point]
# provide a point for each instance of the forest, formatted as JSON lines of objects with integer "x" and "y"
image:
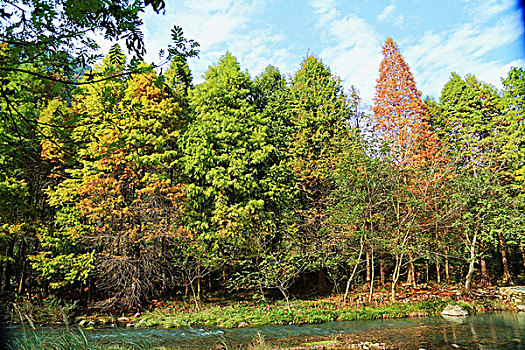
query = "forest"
{"x": 130, "y": 186}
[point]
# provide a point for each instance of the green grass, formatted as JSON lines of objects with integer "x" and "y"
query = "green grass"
{"x": 71, "y": 339}
{"x": 322, "y": 342}
{"x": 302, "y": 312}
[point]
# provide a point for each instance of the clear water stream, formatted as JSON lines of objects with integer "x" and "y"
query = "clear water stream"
{"x": 503, "y": 330}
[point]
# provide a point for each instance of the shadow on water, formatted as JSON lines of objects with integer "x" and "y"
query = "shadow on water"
{"x": 488, "y": 331}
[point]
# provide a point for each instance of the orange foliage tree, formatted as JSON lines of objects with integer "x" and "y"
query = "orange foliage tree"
{"x": 402, "y": 122}
{"x": 401, "y": 117}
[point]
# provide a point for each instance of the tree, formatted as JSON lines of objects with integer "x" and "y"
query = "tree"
{"x": 53, "y": 41}
{"x": 124, "y": 189}
{"x": 471, "y": 124}
{"x": 58, "y": 35}
{"x": 22, "y": 175}
{"x": 236, "y": 184}
{"x": 402, "y": 121}
{"x": 320, "y": 112}
{"x": 513, "y": 109}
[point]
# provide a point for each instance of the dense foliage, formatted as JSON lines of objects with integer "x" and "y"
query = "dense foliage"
{"x": 143, "y": 186}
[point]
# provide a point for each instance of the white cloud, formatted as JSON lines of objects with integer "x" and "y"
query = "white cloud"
{"x": 463, "y": 51}
{"x": 481, "y": 11}
{"x": 386, "y": 13}
{"x": 355, "y": 50}
{"x": 220, "y": 26}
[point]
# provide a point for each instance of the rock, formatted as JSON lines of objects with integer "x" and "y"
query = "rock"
{"x": 243, "y": 325}
{"x": 455, "y": 319}
{"x": 454, "y": 310}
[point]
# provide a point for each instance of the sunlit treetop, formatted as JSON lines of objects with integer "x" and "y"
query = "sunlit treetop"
{"x": 402, "y": 119}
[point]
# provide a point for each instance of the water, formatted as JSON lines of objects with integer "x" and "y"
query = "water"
{"x": 488, "y": 331}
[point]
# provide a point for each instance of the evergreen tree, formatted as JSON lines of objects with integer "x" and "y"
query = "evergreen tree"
{"x": 472, "y": 126}
{"x": 236, "y": 189}
{"x": 319, "y": 116}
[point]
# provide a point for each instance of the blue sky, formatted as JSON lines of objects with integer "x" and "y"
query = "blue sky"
{"x": 482, "y": 37}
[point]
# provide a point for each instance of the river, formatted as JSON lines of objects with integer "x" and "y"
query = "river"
{"x": 504, "y": 330}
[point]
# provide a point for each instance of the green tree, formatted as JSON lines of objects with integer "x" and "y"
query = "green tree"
{"x": 22, "y": 175}
{"x": 236, "y": 187}
{"x": 470, "y": 122}
{"x": 319, "y": 113}
{"x": 514, "y": 151}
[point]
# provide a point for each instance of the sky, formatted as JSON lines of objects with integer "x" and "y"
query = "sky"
{"x": 436, "y": 37}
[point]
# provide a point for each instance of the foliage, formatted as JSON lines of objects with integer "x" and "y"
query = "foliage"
{"x": 400, "y": 114}
{"x": 319, "y": 112}
{"x": 120, "y": 184}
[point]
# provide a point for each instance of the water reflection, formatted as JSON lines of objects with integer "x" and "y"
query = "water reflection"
{"x": 489, "y": 331}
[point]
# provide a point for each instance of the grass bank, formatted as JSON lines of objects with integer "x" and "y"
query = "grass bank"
{"x": 231, "y": 314}
{"x": 242, "y": 314}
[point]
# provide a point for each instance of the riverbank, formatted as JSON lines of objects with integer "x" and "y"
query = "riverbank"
{"x": 246, "y": 313}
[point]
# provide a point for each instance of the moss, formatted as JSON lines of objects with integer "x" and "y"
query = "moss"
{"x": 322, "y": 342}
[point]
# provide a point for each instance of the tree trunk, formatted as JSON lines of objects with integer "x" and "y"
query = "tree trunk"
{"x": 382, "y": 271}
{"x": 286, "y": 297}
{"x": 395, "y": 276}
{"x": 372, "y": 273}
{"x": 468, "y": 279}
{"x": 438, "y": 272}
{"x": 23, "y": 268}
{"x": 4, "y": 284}
{"x": 367, "y": 266}
{"x": 447, "y": 266}
{"x": 224, "y": 279}
{"x": 485, "y": 278}
{"x": 522, "y": 250}
{"x": 353, "y": 272}
{"x": 89, "y": 292}
{"x": 412, "y": 271}
{"x": 165, "y": 262}
{"x": 507, "y": 278}
{"x": 199, "y": 283}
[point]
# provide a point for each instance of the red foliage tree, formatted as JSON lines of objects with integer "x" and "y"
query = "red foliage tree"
{"x": 402, "y": 120}
{"x": 401, "y": 117}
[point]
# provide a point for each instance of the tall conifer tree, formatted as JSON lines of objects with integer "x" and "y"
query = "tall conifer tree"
{"x": 401, "y": 116}
{"x": 402, "y": 121}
